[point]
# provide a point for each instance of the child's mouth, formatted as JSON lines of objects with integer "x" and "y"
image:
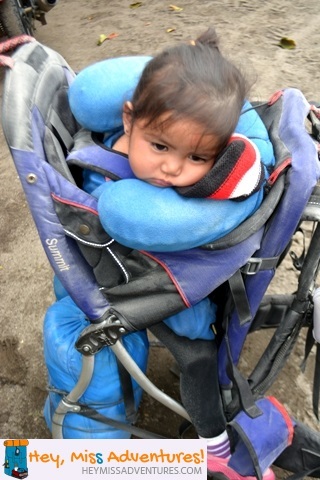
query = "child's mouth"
{"x": 160, "y": 183}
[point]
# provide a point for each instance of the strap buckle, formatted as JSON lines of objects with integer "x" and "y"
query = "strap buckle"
{"x": 252, "y": 266}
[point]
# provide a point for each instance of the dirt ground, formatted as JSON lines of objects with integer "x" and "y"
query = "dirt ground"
{"x": 250, "y": 33}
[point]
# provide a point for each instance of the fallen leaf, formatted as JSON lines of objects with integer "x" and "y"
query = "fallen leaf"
{"x": 287, "y": 43}
{"x": 169, "y": 30}
{"x": 174, "y": 8}
{"x": 112, "y": 35}
{"x": 135, "y": 5}
{"x": 103, "y": 37}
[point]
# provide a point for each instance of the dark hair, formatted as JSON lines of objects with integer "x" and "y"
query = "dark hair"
{"x": 195, "y": 81}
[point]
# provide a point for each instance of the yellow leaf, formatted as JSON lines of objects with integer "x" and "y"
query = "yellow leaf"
{"x": 287, "y": 43}
{"x": 174, "y": 8}
{"x": 169, "y": 30}
{"x": 135, "y": 5}
{"x": 101, "y": 39}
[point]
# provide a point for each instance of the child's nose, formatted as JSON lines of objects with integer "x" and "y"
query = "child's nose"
{"x": 172, "y": 165}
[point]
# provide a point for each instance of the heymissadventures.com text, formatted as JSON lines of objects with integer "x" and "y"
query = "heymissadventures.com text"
{"x": 150, "y": 470}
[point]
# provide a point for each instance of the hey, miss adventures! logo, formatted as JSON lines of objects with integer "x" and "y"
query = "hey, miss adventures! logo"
{"x": 15, "y": 462}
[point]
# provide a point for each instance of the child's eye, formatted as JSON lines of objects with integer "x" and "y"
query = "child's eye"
{"x": 195, "y": 158}
{"x": 159, "y": 147}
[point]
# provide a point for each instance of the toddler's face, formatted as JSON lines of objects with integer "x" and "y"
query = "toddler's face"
{"x": 177, "y": 155}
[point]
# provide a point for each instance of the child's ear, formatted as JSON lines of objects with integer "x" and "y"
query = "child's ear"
{"x": 127, "y": 117}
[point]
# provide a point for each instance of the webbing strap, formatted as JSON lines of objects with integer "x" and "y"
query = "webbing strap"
{"x": 255, "y": 264}
{"x": 242, "y": 306}
{"x": 246, "y": 397}
{"x": 138, "y": 432}
{"x": 239, "y": 295}
{"x": 127, "y": 390}
{"x": 238, "y": 289}
{"x": 63, "y": 132}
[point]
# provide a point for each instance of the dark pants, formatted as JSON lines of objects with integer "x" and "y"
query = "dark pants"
{"x": 199, "y": 385}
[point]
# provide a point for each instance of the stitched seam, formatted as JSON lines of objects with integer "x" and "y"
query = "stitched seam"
{"x": 85, "y": 242}
{"x": 116, "y": 259}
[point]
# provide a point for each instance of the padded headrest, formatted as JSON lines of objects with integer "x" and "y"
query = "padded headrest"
{"x": 98, "y": 92}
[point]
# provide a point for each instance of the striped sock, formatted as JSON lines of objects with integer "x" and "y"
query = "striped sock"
{"x": 219, "y": 446}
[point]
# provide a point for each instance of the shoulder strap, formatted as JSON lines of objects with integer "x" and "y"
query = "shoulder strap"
{"x": 93, "y": 155}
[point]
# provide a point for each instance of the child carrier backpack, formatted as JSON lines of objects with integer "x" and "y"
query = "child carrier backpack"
{"x": 49, "y": 150}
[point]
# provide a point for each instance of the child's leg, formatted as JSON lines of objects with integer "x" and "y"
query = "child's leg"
{"x": 200, "y": 391}
{"x": 200, "y": 395}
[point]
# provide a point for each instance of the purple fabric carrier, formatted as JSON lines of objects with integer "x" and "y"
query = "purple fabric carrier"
{"x": 259, "y": 441}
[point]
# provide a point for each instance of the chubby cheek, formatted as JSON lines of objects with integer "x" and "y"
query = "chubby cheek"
{"x": 139, "y": 165}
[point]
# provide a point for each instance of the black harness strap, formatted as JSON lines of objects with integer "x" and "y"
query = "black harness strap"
{"x": 255, "y": 264}
{"x": 246, "y": 397}
{"x": 239, "y": 295}
{"x": 242, "y": 305}
{"x": 238, "y": 289}
{"x": 138, "y": 432}
{"x": 63, "y": 132}
{"x": 127, "y": 390}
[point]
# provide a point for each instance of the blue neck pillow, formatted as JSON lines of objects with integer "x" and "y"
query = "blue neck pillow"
{"x": 99, "y": 91}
